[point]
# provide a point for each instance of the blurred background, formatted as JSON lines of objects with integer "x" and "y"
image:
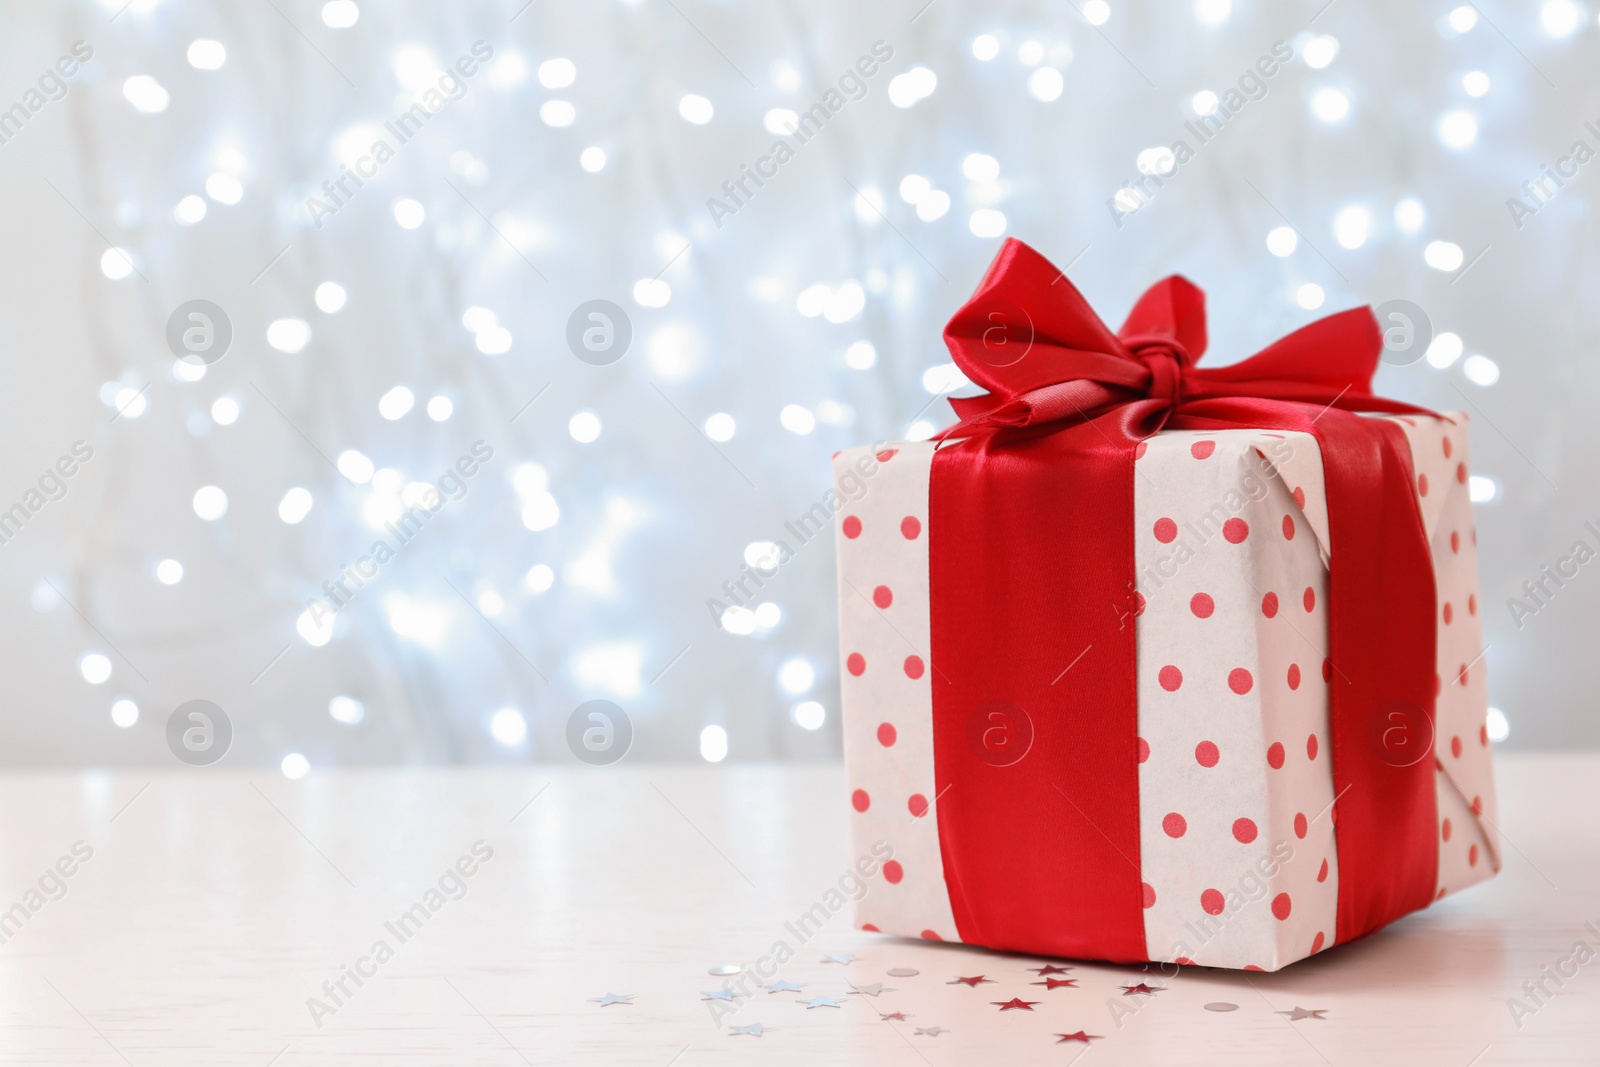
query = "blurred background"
{"x": 557, "y": 279}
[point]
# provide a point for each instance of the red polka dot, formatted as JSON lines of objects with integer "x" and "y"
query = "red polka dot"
{"x": 1444, "y": 829}
{"x": 1138, "y": 604}
{"x": 1461, "y": 675}
{"x": 1280, "y": 906}
{"x": 1455, "y": 541}
{"x": 1166, "y": 531}
{"x": 918, "y": 805}
{"x": 1140, "y": 449}
{"x": 1309, "y": 598}
{"x": 1174, "y": 824}
{"x": 1322, "y": 875}
{"x": 914, "y": 667}
{"x": 893, "y": 872}
{"x": 1269, "y": 605}
{"x": 1300, "y": 497}
{"x": 1275, "y": 755}
{"x": 1294, "y": 676}
{"x": 1144, "y": 750}
{"x": 1327, "y": 670}
{"x": 887, "y": 454}
{"x": 1211, "y": 902}
{"x": 882, "y": 596}
{"x": 1461, "y": 473}
{"x": 870, "y": 926}
{"x": 1185, "y": 960}
{"x": 1440, "y": 894}
{"x": 1239, "y": 680}
{"x": 1447, "y": 448}
{"x": 860, "y": 801}
{"x": 929, "y": 935}
{"x": 856, "y": 664}
{"x": 1147, "y": 894}
{"x": 1472, "y": 604}
{"x": 1477, "y": 806}
{"x": 1422, "y": 485}
{"x": 1251, "y": 967}
{"x": 1206, "y": 754}
{"x": 1170, "y": 678}
{"x": 1472, "y": 856}
{"x": 1316, "y": 942}
{"x": 1244, "y": 831}
{"x": 1455, "y": 747}
{"x": 1300, "y": 824}
{"x": 1202, "y": 449}
{"x": 1483, "y": 736}
{"x": 1449, "y": 613}
{"x": 1202, "y": 605}
{"x": 1235, "y": 530}
{"x": 910, "y": 527}
{"x": 1438, "y": 685}
{"x": 886, "y": 734}
{"x": 1288, "y": 528}
{"x": 851, "y": 527}
{"x": 1311, "y": 747}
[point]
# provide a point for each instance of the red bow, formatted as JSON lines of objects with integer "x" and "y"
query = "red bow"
{"x": 1033, "y": 341}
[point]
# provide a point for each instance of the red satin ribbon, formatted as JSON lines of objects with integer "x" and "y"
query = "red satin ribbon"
{"x": 1032, "y": 570}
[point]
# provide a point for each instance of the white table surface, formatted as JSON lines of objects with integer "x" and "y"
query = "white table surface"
{"x": 217, "y": 902}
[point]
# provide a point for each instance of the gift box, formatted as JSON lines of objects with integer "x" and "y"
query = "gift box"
{"x": 1144, "y": 661}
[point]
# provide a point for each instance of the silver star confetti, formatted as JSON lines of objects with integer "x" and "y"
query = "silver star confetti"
{"x": 727, "y": 970}
{"x": 870, "y": 990}
{"x": 613, "y": 998}
{"x": 846, "y": 958}
{"x": 720, "y": 994}
{"x": 820, "y": 1001}
{"x": 754, "y": 1030}
{"x": 1298, "y": 1012}
{"x": 903, "y": 972}
{"x": 781, "y": 986}
{"x": 930, "y": 1031}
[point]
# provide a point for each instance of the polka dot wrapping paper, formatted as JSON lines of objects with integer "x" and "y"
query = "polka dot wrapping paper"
{"x": 1238, "y": 860}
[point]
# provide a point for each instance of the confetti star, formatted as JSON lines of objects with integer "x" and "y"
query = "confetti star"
{"x": 720, "y": 994}
{"x": 1303, "y": 1013}
{"x": 754, "y": 1030}
{"x": 1130, "y": 990}
{"x": 820, "y": 1001}
{"x": 870, "y": 990}
{"x": 974, "y": 981}
{"x": 931, "y": 1031}
{"x": 1049, "y": 969}
{"x": 613, "y": 998}
{"x": 781, "y": 986}
{"x": 1014, "y": 1003}
{"x": 897, "y": 1016}
{"x": 846, "y": 958}
{"x": 1055, "y": 983}
{"x": 1079, "y": 1036}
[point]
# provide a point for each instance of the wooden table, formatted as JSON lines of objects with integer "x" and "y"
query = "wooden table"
{"x": 217, "y": 903}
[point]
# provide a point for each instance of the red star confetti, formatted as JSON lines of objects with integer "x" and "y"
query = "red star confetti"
{"x": 1049, "y": 969}
{"x": 1079, "y": 1036}
{"x": 1055, "y": 983}
{"x": 974, "y": 981}
{"x": 1130, "y": 990}
{"x": 897, "y": 1016}
{"x": 1014, "y": 1003}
